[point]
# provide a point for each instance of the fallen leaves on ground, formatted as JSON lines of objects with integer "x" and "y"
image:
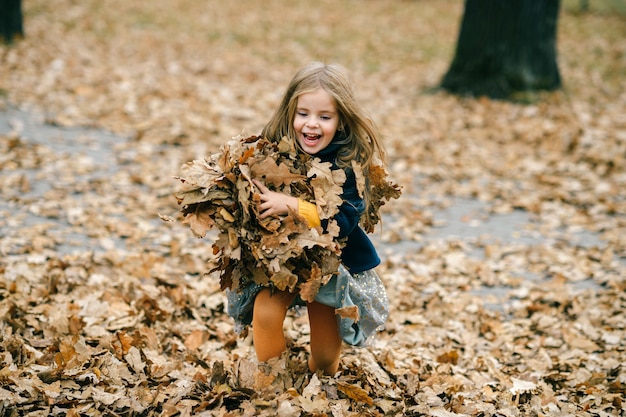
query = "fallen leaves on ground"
{"x": 106, "y": 309}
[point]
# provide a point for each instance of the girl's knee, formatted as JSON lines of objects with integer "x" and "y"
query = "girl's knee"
{"x": 325, "y": 339}
{"x": 270, "y": 309}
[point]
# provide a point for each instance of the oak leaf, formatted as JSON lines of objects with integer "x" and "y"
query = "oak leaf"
{"x": 309, "y": 288}
{"x": 381, "y": 190}
{"x": 348, "y": 312}
{"x": 355, "y": 392}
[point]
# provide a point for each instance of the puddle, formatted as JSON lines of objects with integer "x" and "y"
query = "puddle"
{"x": 91, "y": 148}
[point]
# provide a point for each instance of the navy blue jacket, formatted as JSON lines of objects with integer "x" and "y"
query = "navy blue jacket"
{"x": 358, "y": 254}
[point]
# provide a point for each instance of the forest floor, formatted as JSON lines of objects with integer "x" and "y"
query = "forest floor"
{"x": 504, "y": 259}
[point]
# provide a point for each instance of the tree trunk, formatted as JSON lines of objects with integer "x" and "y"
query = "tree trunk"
{"x": 505, "y": 47}
{"x": 10, "y": 20}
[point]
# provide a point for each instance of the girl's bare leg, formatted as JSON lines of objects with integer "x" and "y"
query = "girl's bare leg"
{"x": 325, "y": 338}
{"x": 267, "y": 323}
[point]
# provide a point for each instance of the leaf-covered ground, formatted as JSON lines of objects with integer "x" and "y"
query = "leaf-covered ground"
{"x": 106, "y": 309}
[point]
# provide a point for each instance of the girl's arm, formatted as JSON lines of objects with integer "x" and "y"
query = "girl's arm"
{"x": 274, "y": 204}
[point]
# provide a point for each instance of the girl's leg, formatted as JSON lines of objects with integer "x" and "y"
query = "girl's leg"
{"x": 268, "y": 317}
{"x": 325, "y": 338}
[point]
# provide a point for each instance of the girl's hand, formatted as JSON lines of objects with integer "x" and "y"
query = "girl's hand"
{"x": 274, "y": 203}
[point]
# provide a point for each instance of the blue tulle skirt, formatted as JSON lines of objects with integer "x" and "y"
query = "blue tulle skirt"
{"x": 364, "y": 290}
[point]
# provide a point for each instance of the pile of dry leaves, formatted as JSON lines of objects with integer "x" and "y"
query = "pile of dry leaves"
{"x": 219, "y": 192}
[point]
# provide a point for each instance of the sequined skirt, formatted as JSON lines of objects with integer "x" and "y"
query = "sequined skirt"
{"x": 363, "y": 290}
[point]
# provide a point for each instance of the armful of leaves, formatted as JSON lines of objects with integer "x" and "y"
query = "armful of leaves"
{"x": 218, "y": 193}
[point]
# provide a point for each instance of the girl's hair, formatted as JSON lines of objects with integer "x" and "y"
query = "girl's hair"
{"x": 362, "y": 139}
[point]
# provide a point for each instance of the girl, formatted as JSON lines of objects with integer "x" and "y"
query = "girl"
{"x": 319, "y": 112}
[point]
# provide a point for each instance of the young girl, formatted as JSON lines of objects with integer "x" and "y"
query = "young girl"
{"x": 319, "y": 112}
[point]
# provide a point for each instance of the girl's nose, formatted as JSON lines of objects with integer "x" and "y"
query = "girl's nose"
{"x": 311, "y": 122}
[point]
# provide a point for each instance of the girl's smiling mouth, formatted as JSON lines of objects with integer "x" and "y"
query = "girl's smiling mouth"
{"x": 311, "y": 138}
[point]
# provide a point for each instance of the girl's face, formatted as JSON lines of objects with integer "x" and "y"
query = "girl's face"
{"x": 316, "y": 120}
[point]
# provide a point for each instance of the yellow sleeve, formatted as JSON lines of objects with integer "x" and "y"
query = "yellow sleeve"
{"x": 309, "y": 212}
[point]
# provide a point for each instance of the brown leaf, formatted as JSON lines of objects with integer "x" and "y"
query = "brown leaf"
{"x": 199, "y": 222}
{"x": 348, "y": 312}
{"x": 274, "y": 174}
{"x": 361, "y": 183}
{"x": 195, "y": 339}
{"x": 283, "y": 279}
{"x": 327, "y": 187}
{"x": 449, "y": 357}
{"x": 381, "y": 191}
{"x": 310, "y": 287}
{"x": 355, "y": 392}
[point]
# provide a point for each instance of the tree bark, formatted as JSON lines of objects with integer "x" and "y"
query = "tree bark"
{"x": 11, "y": 25}
{"x": 505, "y": 47}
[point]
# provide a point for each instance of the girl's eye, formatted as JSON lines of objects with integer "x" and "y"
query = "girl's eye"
{"x": 301, "y": 113}
{"x": 325, "y": 117}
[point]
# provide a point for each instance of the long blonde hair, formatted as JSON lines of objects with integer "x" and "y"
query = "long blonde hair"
{"x": 362, "y": 139}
